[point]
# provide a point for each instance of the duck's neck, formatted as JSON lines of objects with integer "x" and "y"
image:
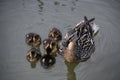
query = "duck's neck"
{"x": 71, "y": 45}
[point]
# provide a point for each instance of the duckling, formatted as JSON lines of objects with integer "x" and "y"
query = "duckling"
{"x": 78, "y": 44}
{"x": 33, "y": 55}
{"x": 47, "y": 60}
{"x": 50, "y": 46}
{"x": 55, "y": 34}
{"x": 33, "y": 40}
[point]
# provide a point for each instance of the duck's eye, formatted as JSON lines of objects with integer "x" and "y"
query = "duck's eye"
{"x": 50, "y": 61}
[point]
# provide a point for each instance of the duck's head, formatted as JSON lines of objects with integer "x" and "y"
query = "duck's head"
{"x": 64, "y": 45}
{"x": 55, "y": 34}
{"x": 49, "y": 45}
{"x": 33, "y": 39}
{"x": 33, "y": 55}
{"x": 47, "y": 61}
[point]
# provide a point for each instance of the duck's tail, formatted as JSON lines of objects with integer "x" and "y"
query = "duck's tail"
{"x": 95, "y": 29}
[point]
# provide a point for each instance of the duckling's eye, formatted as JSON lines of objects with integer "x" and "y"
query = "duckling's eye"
{"x": 50, "y": 61}
{"x": 36, "y": 36}
{"x": 27, "y": 35}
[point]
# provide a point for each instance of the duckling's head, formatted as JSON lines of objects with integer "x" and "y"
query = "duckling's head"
{"x": 49, "y": 45}
{"x": 55, "y": 34}
{"x": 33, "y": 39}
{"x": 47, "y": 61}
{"x": 33, "y": 55}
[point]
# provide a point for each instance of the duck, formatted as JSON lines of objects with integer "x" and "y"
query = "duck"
{"x": 55, "y": 34}
{"x": 33, "y": 55}
{"x": 47, "y": 60}
{"x": 50, "y": 46}
{"x": 78, "y": 43}
{"x": 33, "y": 39}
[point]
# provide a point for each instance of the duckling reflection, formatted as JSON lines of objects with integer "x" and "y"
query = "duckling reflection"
{"x": 33, "y": 55}
{"x": 33, "y": 40}
{"x": 71, "y": 75}
{"x": 55, "y": 34}
{"x": 33, "y": 64}
{"x": 47, "y": 61}
{"x": 50, "y": 46}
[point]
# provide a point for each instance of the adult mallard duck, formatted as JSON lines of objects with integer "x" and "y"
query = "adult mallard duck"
{"x": 78, "y": 44}
{"x": 55, "y": 34}
{"x": 33, "y": 39}
{"x": 50, "y": 46}
{"x": 33, "y": 55}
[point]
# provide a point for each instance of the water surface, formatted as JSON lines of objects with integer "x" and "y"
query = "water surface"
{"x": 18, "y": 17}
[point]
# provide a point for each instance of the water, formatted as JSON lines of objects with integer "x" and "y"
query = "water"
{"x": 18, "y": 17}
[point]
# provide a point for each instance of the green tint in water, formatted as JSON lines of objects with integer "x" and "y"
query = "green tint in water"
{"x": 71, "y": 75}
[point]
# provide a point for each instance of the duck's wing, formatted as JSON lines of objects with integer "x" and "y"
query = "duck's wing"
{"x": 85, "y": 42}
{"x": 87, "y": 24}
{"x": 94, "y": 28}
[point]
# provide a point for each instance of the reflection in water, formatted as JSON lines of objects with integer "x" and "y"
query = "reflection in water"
{"x": 33, "y": 64}
{"x": 23, "y": 3}
{"x": 74, "y": 5}
{"x": 40, "y": 6}
{"x": 56, "y": 3}
{"x": 71, "y": 75}
{"x": 64, "y": 5}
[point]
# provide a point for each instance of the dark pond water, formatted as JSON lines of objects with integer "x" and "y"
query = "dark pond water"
{"x": 18, "y": 17}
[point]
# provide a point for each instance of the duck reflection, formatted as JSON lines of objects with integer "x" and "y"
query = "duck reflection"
{"x": 33, "y": 64}
{"x": 33, "y": 55}
{"x": 71, "y": 75}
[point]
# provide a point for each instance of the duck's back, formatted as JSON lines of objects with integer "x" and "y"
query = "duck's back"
{"x": 85, "y": 43}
